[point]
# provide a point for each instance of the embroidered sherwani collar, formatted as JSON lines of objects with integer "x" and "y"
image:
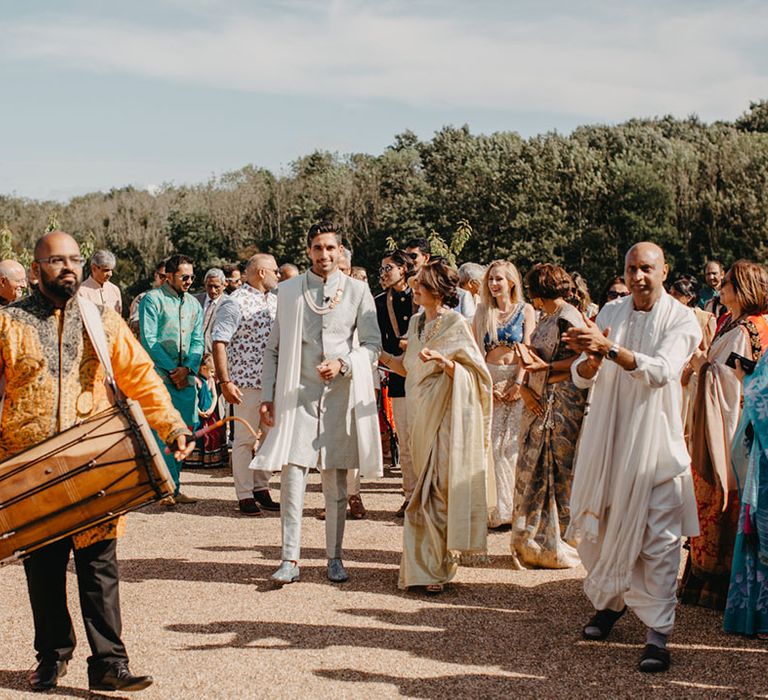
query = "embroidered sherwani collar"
{"x": 314, "y": 280}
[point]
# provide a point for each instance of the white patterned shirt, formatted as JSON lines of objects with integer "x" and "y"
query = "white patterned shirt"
{"x": 244, "y": 321}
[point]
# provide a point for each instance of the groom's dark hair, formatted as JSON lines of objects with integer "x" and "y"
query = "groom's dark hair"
{"x": 323, "y": 227}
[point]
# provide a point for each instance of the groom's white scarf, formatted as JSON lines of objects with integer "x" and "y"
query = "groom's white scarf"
{"x": 274, "y": 451}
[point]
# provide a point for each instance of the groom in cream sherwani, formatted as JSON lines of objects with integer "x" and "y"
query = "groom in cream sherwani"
{"x": 318, "y": 395}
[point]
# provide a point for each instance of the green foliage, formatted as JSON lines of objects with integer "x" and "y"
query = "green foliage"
{"x": 699, "y": 190}
{"x": 451, "y": 251}
{"x": 194, "y": 234}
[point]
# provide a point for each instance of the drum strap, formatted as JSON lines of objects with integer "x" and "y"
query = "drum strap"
{"x": 91, "y": 316}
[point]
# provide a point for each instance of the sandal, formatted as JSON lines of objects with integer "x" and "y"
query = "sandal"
{"x": 435, "y": 588}
{"x": 601, "y": 624}
{"x": 654, "y": 659}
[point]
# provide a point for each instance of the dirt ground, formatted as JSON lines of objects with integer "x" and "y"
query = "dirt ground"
{"x": 201, "y": 616}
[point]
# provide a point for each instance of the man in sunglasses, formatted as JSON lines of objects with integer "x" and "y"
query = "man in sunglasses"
{"x": 171, "y": 323}
{"x": 419, "y": 250}
{"x": 394, "y": 308}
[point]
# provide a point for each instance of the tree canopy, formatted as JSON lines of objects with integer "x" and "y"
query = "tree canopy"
{"x": 699, "y": 190}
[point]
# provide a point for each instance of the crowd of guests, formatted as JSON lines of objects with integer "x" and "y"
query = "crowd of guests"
{"x": 584, "y": 429}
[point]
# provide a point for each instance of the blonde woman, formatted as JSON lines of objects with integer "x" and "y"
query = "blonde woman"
{"x": 503, "y": 319}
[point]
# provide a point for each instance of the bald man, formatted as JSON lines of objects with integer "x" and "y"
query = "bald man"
{"x": 632, "y": 498}
{"x": 288, "y": 271}
{"x": 13, "y": 281}
{"x": 54, "y": 380}
{"x": 240, "y": 332}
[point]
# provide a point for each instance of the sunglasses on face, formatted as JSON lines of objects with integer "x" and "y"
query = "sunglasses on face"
{"x": 187, "y": 278}
{"x": 616, "y": 295}
{"x": 384, "y": 269}
{"x": 413, "y": 256}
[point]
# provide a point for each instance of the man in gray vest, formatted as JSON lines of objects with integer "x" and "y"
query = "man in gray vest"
{"x": 318, "y": 394}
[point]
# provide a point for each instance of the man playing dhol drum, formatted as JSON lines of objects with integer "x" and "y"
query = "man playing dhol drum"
{"x": 53, "y": 380}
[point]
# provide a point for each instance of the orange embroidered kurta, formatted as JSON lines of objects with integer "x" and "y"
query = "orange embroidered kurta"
{"x": 54, "y": 380}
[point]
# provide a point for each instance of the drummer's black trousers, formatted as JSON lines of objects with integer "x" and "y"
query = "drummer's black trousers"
{"x": 97, "y": 581}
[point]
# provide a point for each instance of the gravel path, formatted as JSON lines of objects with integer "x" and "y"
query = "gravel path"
{"x": 201, "y": 616}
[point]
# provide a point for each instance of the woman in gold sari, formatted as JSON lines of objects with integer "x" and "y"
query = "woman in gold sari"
{"x": 449, "y": 396}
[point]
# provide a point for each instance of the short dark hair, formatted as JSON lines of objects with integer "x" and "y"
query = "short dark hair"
{"x": 440, "y": 279}
{"x": 400, "y": 258}
{"x": 173, "y": 263}
{"x": 714, "y": 262}
{"x": 421, "y": 243}
{"x": 618, "y": 279}
{"x": 687, "y": 286}
{"x": 229, "y": 268}
{"x": 548, "y": 281}
{"x": 321, "y": 227}
{"x": 160, "y": 267}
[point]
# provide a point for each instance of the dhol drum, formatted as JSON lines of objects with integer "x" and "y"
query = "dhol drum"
{"x": 101, "y": 468}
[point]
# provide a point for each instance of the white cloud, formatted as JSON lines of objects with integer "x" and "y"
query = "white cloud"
{"x": 608, "y": 63}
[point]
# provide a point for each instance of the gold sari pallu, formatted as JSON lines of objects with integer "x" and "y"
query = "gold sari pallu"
{"x": 446, "y": 520}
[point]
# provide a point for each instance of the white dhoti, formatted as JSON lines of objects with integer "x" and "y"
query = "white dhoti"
{"x": 652, "y": 592}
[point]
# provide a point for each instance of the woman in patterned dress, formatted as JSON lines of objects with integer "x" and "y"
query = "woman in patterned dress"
{"x": 746, "y": 610}
{"x": 551, "y": 421}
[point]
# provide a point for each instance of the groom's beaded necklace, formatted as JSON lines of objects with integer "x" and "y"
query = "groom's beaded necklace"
{"x": 332, "y": 304}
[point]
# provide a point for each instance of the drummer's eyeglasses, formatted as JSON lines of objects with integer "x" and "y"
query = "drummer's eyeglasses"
{"x": 61, "y": 260}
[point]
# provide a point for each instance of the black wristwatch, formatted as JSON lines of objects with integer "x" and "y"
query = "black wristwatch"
{"x": 613, "y": 353}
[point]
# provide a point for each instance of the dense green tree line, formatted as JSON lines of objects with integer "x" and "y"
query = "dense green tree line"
{"x": 700, "y": 190}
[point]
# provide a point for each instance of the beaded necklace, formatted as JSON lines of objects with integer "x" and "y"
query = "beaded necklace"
{"x": 432, "y": 332}
{"x": 332, "y": 303}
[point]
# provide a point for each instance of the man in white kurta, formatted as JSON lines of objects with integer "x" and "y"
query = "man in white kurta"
{"x": 317, "y": 392}
{"x": 632, "y": 498}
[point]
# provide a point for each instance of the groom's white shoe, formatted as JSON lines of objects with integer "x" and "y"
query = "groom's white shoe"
{"x": 287, "y": 573}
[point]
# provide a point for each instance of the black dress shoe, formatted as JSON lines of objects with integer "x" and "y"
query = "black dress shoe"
{"x": 47, "y": 674}
{"x": 601, "y": 624}
{"x": 119, "y": 677}
{"x": 248, "y": 506}
{"x": 654, "y": 659}
{"x": 264, "y": 499}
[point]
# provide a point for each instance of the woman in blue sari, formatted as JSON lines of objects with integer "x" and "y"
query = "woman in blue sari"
{"x": 746, "y": 610}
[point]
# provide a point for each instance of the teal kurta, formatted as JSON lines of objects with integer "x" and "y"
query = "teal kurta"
{"x": 172, "y": 334}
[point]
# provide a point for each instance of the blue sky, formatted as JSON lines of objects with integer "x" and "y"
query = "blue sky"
{"x": 96, "y": 95}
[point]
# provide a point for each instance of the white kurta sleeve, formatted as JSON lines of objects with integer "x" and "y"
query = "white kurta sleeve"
{"x": 675, "y": 349}
{"x": 579, "y": 381}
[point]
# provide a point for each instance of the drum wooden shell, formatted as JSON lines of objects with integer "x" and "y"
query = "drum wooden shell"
{"x": 91, "y": 473}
